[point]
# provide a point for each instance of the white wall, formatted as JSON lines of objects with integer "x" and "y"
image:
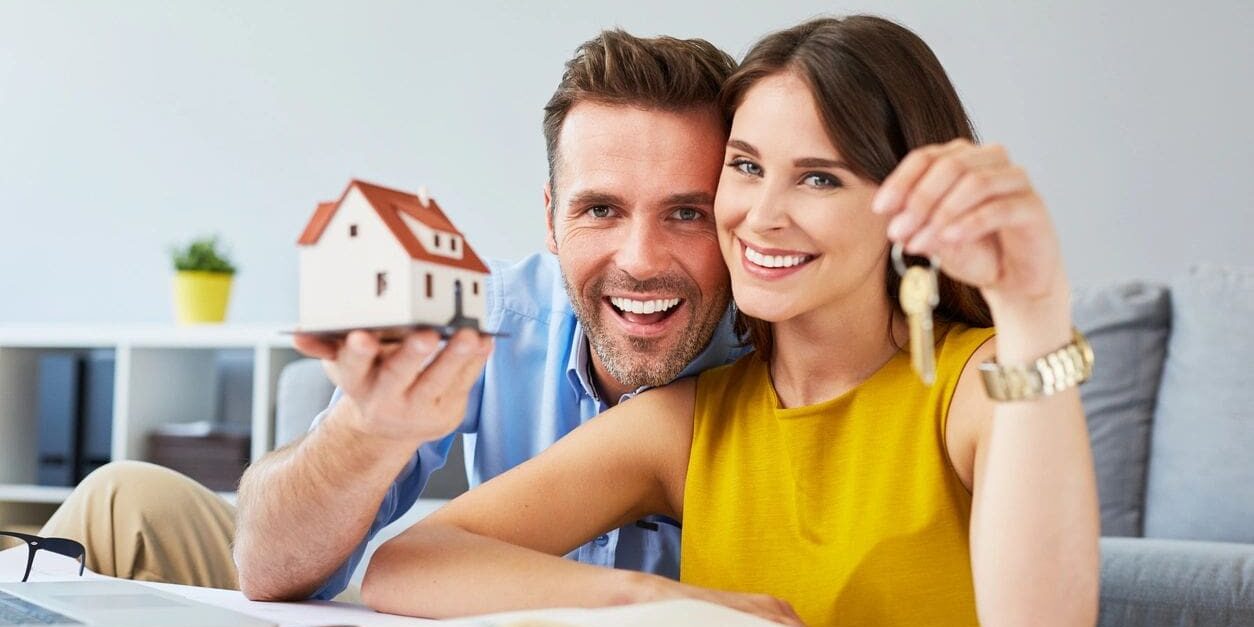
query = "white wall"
{"x": 126, "y": 126}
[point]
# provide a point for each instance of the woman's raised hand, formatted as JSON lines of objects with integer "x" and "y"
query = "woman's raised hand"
{"x": 976, "y": 210}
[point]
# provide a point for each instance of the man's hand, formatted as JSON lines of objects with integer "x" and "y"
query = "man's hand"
{"x": 411, "y": 391}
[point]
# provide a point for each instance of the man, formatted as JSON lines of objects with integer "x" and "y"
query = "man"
{"x": 631, "y": 297}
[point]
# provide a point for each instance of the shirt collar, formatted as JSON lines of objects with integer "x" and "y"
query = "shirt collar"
{"x": 720, "y": 350}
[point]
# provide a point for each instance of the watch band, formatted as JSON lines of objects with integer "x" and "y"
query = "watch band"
{"x": 1059, "y": 370}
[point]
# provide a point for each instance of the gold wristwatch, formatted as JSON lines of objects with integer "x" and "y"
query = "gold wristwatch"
{"x": 1064, "y": 368}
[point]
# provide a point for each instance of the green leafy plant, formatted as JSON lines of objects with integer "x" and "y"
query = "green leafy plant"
{"x": 202, "y": 255}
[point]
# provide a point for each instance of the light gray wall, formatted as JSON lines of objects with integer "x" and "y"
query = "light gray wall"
{"x": 126, "y": 126}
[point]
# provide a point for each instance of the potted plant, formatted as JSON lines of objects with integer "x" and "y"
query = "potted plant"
{"x": 202, "y": 281}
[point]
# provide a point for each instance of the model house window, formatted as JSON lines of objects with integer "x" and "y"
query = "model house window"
{"x": 352, "y": 230}
{"x": 453, "y": 244}
{"x": 437, "y": 241}
{"x": 429, "y": 285}
{"x": 380, "y": 282}
{"x": 475, "y": 287}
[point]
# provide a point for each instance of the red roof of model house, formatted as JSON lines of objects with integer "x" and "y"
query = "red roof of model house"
{"x": 388, "y": 203}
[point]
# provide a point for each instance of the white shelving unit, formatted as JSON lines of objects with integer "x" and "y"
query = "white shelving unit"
{"x": 162, "y": 374}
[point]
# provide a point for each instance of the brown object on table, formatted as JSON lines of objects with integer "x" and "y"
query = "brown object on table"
{"x": 216, "y": 459}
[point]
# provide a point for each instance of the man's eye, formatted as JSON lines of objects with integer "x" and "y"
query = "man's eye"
{"x": 687, "y": 214}
{"x": 745, "y": 166}
{"x": 599, "y": 211}
{"x": 820, "y": 180}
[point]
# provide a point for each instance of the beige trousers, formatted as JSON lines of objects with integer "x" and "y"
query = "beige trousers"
{"x": 142, "y": 521}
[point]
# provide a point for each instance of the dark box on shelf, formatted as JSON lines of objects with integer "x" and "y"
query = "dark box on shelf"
{"x": 214, "y": 456}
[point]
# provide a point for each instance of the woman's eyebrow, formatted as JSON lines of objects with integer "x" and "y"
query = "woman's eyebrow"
{"x": 740, "y": 144}
{"x": 817, "y": 162}
{"x": 805, "y": 162}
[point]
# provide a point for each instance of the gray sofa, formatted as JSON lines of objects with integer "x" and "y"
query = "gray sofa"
{"x": 1171, "y": 416}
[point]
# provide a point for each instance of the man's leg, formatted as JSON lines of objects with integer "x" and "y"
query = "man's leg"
{"x": 143, "y": 521}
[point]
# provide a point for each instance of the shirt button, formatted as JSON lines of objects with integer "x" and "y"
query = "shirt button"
{"x": 602, "y": 540}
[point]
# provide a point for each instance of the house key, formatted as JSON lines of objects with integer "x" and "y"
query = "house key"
{"x": 919, "y": 296}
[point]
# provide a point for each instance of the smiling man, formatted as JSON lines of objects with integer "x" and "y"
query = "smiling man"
{"x": 632, "y": 230}
{"x": 632, "y": 294}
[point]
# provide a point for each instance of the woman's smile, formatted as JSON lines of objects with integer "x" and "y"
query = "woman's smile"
{"x": 773, "y": 263}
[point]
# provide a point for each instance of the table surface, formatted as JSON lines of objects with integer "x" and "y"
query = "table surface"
{"x": 53, "y": 567}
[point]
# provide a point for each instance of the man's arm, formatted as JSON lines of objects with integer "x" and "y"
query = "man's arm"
{"x": 304, "y": 508}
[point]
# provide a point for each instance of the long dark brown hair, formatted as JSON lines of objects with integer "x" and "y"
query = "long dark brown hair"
{"x": 881, "y": 93}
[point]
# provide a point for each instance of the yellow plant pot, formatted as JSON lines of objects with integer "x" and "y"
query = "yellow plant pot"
{"x": 201, "y": 297}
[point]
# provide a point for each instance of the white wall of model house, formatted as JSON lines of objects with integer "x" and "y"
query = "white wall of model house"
{"x": 339, "y": 274}
{"x": 439, "y": 306}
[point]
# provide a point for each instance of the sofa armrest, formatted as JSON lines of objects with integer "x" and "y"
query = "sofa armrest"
{"x": 1151, "y": 581}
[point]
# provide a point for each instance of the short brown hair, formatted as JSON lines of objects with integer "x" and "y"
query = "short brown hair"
{"x": 882, "y": 93}
{"x": 618, "y": 68}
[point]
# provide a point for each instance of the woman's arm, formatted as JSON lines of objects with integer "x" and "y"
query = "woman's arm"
{"x": 1034, "y": 522}
{"x": 498, "y": 546}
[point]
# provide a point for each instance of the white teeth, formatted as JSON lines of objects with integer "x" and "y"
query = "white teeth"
{"x": 774, "y": 261}
{"x": 643, "y": 306}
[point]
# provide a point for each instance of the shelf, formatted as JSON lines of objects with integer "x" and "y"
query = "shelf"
{"x": 26, "y": 493}
{"x": 163, "y": 373}
{"x": 23, "y": 493}
{"x": 152, "y": 335}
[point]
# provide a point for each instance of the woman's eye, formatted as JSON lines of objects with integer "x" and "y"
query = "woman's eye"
{"x": 599, "y": 211}
{"x": 744, "y": 166}
{"x": 820, "y": 180}
{"x": 687, "y": 214}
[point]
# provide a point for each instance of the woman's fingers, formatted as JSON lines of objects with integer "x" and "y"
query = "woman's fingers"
{"x": 891, "y": 197}
{"x": 771, "y": 608}
{"x": 974, "y": 188}
{"x": 988, "y": 217}
{"x": 926, "y": 177}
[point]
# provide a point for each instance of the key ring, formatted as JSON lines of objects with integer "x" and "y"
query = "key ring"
{"x": 899, "y": 261}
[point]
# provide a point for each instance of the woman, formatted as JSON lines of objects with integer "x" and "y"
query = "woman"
{"x": 818, "y": 473}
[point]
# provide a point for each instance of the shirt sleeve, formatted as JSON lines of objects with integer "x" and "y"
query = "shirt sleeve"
{"x": 403, "y": 492}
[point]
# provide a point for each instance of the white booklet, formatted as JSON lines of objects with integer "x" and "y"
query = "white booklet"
{"x": 53, "y": 567}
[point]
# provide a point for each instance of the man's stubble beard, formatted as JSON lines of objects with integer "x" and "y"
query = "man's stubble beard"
{"x": 636, "y": 365}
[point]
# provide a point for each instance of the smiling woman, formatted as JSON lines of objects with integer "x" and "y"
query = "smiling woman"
{"x": 816, "y": 479}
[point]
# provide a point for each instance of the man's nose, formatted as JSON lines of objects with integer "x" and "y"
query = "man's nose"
{"x": 643, "y": 254}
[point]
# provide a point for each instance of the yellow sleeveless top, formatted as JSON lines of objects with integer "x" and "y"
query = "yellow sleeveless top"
{"x": 848, "y": 509}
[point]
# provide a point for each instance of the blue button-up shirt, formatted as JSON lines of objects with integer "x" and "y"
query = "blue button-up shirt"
{"x": 535, "y": 388}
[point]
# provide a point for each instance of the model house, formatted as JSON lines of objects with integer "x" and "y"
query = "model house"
{"x": 380, "y": 257}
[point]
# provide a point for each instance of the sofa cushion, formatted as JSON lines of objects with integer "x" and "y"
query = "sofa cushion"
{"x": 1149, "y": 582}
{"x": 1200, "y": 471}
{"x": 1127, "y": 324}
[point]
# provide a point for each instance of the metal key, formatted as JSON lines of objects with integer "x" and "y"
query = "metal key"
{"x": 918, "y": 296}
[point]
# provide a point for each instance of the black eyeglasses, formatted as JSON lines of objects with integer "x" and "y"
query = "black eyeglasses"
{"x": 61, "y": 546}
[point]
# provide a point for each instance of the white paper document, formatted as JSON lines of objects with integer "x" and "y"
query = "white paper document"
{"x": 53, "y": 567}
